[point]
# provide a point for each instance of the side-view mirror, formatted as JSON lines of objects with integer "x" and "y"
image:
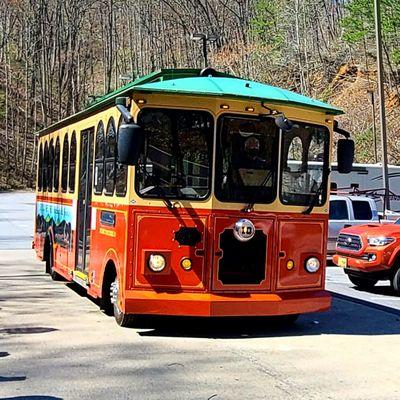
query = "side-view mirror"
{"x": 345, "y": 155}
{"x": 130, "y": 142}
{"x": 284, "y": 123}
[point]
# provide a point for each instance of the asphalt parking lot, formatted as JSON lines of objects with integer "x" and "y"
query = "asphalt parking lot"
{"x": 55, "y": 343}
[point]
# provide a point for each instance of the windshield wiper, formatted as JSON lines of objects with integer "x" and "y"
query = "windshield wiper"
{"x": 249, "y": 207}
{"x": 314, "y": 200}
{"x": 159, "y": 190}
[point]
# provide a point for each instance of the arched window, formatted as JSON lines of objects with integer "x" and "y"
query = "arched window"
{"x": 56, "y": 177}
{"x": 45, "y": 166}
{"x": 40, "y": 169}
{"x": 121, "y": 171}
{"x": 99, "y": 160}
{"x": 72, "y": 163}
{"x": 64, "y": 168}
{"x": 50, "y": 167}
{"x": 110, "y": 161}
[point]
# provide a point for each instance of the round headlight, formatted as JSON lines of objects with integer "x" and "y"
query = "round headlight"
{"x": 312, "y": 264}
{"x": 156, "y": 262}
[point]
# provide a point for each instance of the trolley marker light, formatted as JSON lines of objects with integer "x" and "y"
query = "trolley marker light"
{"x": 312, "y": 265}
{"x": 186, "y": 264}
{"x": 156, "y": 262}
{"x": 290, "y": 265}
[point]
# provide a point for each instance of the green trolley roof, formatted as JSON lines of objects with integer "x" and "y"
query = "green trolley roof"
{"x": 188, "y": 82}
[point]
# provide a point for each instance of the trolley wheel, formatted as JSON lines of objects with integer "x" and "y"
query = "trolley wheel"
{"x": 363, "y": 283}
{"x": 50, "y": 264}
{"x": 395, "y": 281}
{"x": 122, "y": 319}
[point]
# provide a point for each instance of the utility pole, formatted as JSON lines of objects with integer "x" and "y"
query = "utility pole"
{"x": 372, "y": 98}
{"x": 381, "y": 91}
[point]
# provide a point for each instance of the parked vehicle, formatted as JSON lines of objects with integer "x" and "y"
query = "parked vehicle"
{"x": 369, "y": 253}
{"x": 369, "y": 177}
{"x": 346, "y": 211}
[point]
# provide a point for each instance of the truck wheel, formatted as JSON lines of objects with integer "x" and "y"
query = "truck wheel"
{"x": 122, "y": 319}
{"x": 363, "y": 283}
{"x": 395, "y": 281}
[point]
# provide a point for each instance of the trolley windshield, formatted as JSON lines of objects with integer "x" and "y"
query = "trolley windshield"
{"x": 176, "y": 159}
{"x": 247, "y": 159}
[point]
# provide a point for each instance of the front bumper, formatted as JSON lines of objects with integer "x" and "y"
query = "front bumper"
{"x": 212, "y": 304}
{"x": 359, "y": 264}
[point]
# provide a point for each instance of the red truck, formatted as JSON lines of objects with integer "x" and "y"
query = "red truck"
{"x": 369, "y": 253}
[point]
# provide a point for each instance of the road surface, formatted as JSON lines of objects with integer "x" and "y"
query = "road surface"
{"x": 55, "y": 343}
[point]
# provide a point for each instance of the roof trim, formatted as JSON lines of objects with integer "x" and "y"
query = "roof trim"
{"x": 139, "y": 85}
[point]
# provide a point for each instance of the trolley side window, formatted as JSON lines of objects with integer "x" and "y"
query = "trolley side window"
{"x": 176, "y": 159}
{"x": 110, "y": 160}
{"x": 50, "y": 166}
{"x": 72, "y": 163}
{"x": 99, "y": 160}
{"x": 121, "y": 173}
{"x": 40, "y": 169}
{"x": 56, "y": 177}
{"x": 64, "y": 169}
{"x": 45, "y": 166}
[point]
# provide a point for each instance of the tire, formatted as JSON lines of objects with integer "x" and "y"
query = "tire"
{"x": 50, "y": 264}
{"x": 395, "y": 282}
{"x": 363, "y": 283}
{"x": 122, "y": 319}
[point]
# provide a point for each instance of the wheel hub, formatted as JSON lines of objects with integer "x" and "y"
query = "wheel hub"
{"x": 114, "y": 289}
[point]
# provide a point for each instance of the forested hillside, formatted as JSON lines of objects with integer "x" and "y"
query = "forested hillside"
{"x": 58, "y": 55}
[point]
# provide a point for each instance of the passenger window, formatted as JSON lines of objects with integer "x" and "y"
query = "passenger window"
{"x": 45, "y": 166}
{"x": 121, "y": 172}
{"x": 50, "y": 167}
{"x": 362, "y": 210}
{"x": 338, "y": 210}
{"x": 99, "y": 160}
{"x": 72, "y": 163}
{"x": 64, "y": 172}
{"x": 110, "y": 161}
{"x": 56, "y": 177}
{"x": 40, "y": 169}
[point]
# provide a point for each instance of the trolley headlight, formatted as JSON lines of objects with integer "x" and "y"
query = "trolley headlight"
{"x": 156, "y": 262}
{"x": 312, "y": 265}
{"x": 380, "y": 241}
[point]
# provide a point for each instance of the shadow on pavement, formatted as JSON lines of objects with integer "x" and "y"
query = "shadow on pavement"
{"x": 346, "y": 318}
{"x": 381, "y": 290}
{"x": 12, "y": 378}
{"x": 31, "y": 398}
{"x": 27, "y": 330}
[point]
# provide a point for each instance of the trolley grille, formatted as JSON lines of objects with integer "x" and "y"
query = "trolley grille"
{"x": 242, "y": 262}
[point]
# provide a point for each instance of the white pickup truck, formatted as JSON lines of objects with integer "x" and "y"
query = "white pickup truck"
{"x": 345, "y": 211}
